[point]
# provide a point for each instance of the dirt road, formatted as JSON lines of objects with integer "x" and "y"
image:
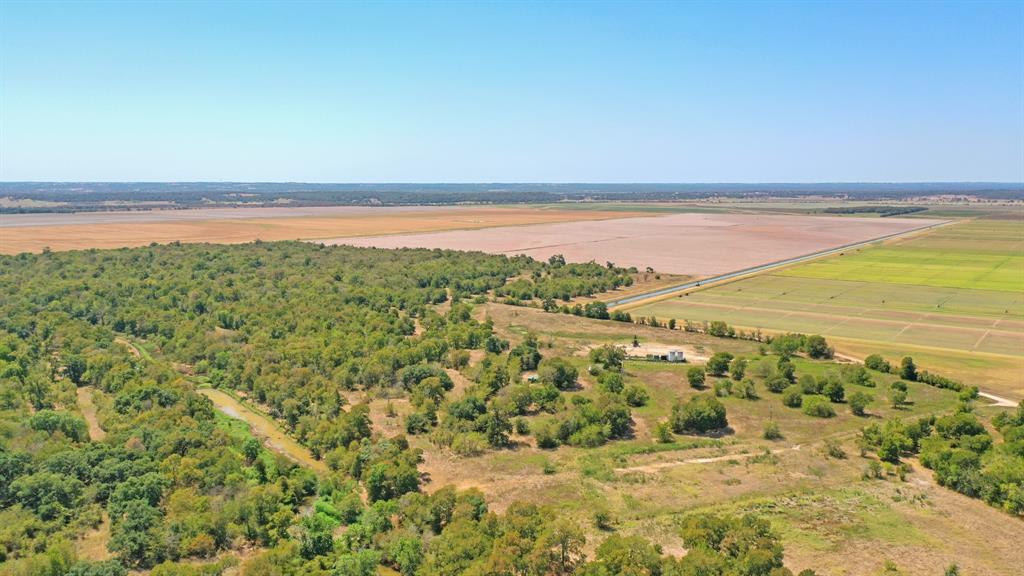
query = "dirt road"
{"x": 265, "y": 429}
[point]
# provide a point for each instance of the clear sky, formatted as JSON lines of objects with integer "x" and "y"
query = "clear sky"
{"x": 512, "y": 92}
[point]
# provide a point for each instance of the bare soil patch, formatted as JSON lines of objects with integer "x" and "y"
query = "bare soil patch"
{"x": 693, "y": 244}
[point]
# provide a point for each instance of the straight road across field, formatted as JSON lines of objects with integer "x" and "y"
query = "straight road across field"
{"x": 764, "y": 267}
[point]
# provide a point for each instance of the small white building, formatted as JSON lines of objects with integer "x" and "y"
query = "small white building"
{"x": 676, "y": 356}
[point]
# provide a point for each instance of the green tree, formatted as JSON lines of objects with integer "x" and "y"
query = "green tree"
{"x": 136, "y": 535}
{"x": 251, "y": 448}
{"x": 718, "y": 364}
{"x": 315, "y": 535}
{"x": 792, "y": 396}
{"x": 737, "y": 369}
{"x": 897, "y": 397}
{"x": 877, "y": 363}
{"x": 558, "y": 372}
{"x": 908, "y": 370}
{"x": 859, "y": 402}
{"x": 700, "y": 414}
{"x": 559, "y": 549}
{"x": 609, "y": 356}
{"x": 776, "y": 383}
{"x": 75, "y": 367}
{"x": 816, "y": 347}
{"x": 834, "y": 390}
{"x": 818, "y": 406}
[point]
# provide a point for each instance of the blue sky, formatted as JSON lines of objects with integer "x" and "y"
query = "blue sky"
{"x": 512, "y": 92}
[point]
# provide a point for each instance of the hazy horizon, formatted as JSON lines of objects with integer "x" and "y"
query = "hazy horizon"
{"x": 544, "y": 183}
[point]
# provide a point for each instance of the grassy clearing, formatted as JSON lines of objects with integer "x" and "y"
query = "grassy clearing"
{"x": 828, "y": 515}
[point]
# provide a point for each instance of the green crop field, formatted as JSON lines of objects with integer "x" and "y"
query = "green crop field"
{"x": 978, "y": 255}
{"x": 959, "y": 289}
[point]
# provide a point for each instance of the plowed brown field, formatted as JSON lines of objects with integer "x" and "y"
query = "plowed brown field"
{"x": 693, "y": 244}
{"x": 33, "y": 232}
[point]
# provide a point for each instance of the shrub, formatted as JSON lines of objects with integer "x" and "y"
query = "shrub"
{"x": 834, "y": 450}
{"x": 809, "y": 384}
{"x": 938, "y": 381}
{"x": 858, "y": 402}
{"x": 546, "y": 436}
{"x": 720, "y": 329}
{"x": 877, "y": 363}
{"x": 663, "y": 433}
{"x": 818, "y": 406}
{"x": 816, "y": 347}
{"x": 737, "y": 369}
{"x": 695, "y": 376}
{"x": 771, "y": 431}
{"x": 834, "y": 390}
{"x": 611, "y": 381}
{"x": 609, "y": 356}
{"x": 793, "y": 396}
{"x": 873, "y": 471}
{"x": 469, "y": 444}
{"x": 746, "y": 390}
{"x": 416, "y": 423}
{"x": 700, "y": 414}
{"x": 602, "y": 520}
{"x": 590, "y": 436}
{"x": 723, "y": 388}
{"x": 776, "y": 383}
{"x": 718, "y": 364}
{"x": 857, "y": 376}
{"x": 522, "y": 426}
{"x": 786, "y": 369}
{"x": 636, "y": 396}
{"x": 558, "y": 372}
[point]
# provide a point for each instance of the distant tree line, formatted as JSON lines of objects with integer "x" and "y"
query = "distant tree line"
{"x": 107, "y": 196}
{"x": 882, "y": 211}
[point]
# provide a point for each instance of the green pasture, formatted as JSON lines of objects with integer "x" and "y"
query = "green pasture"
{"x": 821, "y": 307}
{"x": 977, "y": 255}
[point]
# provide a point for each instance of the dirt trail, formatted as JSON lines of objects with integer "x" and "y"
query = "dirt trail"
{"x": 265, "y": 429}
{"x": 88, "y": 409}
{"x": 654, "y": 467}
{"x": 998, "y": 400}
{"x": 461, "y": 382}
{"x": 128, "y": 344}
